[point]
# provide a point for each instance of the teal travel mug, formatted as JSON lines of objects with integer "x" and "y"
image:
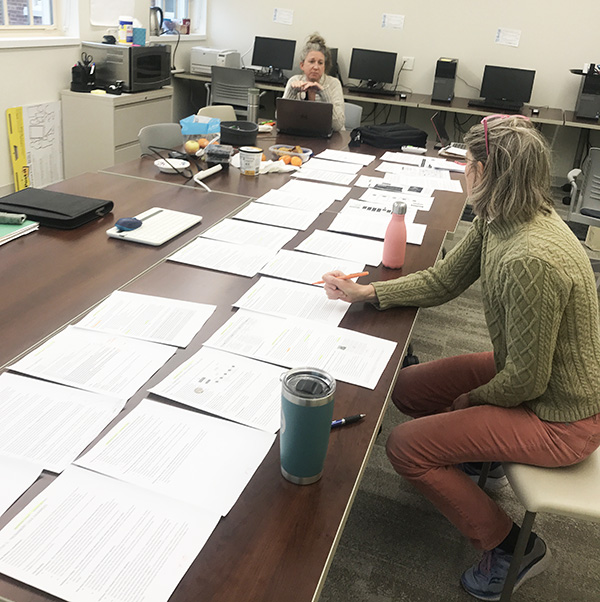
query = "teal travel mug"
{"x": 307, "y": 396}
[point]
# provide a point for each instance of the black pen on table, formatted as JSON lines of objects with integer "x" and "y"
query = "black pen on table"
{"x": 347, "y": 420}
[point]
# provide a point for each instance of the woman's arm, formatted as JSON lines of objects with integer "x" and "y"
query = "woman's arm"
{"x": 332, "y": 92}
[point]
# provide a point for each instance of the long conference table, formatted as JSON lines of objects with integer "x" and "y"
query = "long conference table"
{"x": 279, "y": 539}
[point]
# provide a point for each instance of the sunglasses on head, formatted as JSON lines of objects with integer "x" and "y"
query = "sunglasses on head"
{"x": 485, "y": 120}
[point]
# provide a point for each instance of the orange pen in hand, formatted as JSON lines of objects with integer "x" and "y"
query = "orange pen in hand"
{"x": 346, "y": 277}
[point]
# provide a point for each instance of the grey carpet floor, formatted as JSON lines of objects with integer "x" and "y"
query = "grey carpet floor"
{"x": 396, "y": 547}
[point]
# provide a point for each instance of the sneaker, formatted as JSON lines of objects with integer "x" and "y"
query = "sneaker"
{"x": 485, "y": 580}
{"x": 496, "y": 478}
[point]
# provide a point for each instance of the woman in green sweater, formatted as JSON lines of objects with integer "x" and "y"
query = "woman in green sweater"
{"x": 536, "y": 398}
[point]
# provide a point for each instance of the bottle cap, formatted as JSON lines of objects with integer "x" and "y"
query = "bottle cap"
{"x": 399, "y": 208}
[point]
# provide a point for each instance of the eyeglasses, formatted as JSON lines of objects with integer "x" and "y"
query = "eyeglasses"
{"x": 485, "y": 120}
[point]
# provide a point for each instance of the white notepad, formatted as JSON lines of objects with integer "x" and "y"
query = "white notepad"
{"x": 159, "y": 225}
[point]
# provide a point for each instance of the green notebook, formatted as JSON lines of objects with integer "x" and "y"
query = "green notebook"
{"x": 12, "y": 231}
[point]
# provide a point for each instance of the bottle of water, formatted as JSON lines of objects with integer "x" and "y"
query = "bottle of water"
{"x": 253, "y": 95}
{"x": 394, "y": 243}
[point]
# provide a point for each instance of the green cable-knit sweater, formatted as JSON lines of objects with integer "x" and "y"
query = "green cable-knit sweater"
{"x": 541, "y": 309}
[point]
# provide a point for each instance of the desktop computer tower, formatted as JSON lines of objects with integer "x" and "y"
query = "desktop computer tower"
{"x": 588, "y": 100}
{"x": 443, "y": 82}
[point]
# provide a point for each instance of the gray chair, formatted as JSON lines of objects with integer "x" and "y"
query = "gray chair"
{"x": 229, "y": 86}
{"x": 572, "y": 491}
{"x": 160, "y": 135}
{"x": 353, "y": 115}
{"x": 222, "y": 112}
{"x": 585, "y": 191}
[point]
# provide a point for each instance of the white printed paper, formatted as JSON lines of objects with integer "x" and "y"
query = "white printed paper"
{"x": 337, "y": 166}
{"x": 343, "y": 246}
{"x": 346, "y": 156}
{"x": 49, "y": 424}
{"x": 227, "y": 385}
{"x": 203, "y": 461}
{"x": 90, "y": 538}
{"x": 149, "y": 318}
{"x": 95, "y": 361}
{"x": 283, "y": 16}
{"x": 508, "y": 37}
{"x": 295, "y": 200}
{"x": 249, "y": 233}
{"x": 16, "y": 475}
{"x": 349, "y": 356}
{"x": 273, "y": 215}
{"x": 244, "y": 260}
{"x": 391, "y": 21}
{"x": 306, "y": 267}
{"x": 334, "y": 192}
{"x": 294, "y": 300}
{"x": 322, "y": 175}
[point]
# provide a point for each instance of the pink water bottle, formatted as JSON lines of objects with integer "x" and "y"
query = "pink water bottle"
{"x": 394, "y": 243}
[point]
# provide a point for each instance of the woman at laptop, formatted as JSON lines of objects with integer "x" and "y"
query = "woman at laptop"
{"x": 314, "y": 84}
{"x": 536, "y": 398}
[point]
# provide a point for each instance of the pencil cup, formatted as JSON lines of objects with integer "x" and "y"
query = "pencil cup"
{"x": 307, "y": 396}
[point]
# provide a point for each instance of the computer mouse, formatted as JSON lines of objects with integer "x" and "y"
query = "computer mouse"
{"x": 126, "y": 224}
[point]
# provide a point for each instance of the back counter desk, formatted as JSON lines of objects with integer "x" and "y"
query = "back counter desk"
{"x": 279, "y": 539}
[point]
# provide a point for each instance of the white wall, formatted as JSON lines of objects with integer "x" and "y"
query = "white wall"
{"x": 555, "y": 37}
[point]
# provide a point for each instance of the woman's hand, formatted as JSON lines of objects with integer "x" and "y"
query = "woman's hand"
{"x": 347, "y": 290}
{"x": 460, "y": 403}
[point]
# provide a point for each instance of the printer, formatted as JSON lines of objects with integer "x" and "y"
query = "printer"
{"x": 202, "y": 59}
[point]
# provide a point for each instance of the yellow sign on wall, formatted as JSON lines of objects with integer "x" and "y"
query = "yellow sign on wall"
{"x": 18, "y": 151}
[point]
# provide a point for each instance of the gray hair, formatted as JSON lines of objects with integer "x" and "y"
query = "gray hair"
{"x": 317, "y": 43}
{"x": 516, "y": 177}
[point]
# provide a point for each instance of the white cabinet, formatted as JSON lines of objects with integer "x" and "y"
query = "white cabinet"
{"x": 100, "y": 131}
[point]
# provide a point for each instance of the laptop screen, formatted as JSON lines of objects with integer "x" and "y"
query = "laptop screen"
{"x": 304, "y": 118}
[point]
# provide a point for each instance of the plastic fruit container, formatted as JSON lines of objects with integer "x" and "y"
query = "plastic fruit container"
{"x": 280, "y": 150}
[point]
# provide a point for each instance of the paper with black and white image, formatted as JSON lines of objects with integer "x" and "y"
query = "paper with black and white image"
{"x": 349, "y": 356}
{"x": 232, "y": 386}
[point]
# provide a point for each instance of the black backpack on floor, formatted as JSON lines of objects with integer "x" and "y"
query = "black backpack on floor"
{"x": 388, "y": 135}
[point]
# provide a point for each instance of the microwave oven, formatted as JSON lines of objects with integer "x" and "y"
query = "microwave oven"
{"x": 140, "y": 68}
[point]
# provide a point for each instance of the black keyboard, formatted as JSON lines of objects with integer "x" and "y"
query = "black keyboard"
{"x": 496, "y": 105}
{"x": 374, "y": 91}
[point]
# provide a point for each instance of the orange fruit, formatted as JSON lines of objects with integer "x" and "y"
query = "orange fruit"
{"x": 296, "y": 161}
{"x": 202, "y": 142}
{"x": 286, "y": 159}
{"x": 264, "y": 157}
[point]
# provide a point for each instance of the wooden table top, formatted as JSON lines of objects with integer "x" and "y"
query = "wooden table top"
{"x": 279, "y": 539}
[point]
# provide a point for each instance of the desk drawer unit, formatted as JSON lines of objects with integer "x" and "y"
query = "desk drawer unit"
{"x": 100, "y": 131}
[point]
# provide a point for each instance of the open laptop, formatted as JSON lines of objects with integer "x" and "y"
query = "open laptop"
{"x": 304, "y": 118}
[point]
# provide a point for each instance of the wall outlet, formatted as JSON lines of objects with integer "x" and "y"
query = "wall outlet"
{"x": 408, "y": 62}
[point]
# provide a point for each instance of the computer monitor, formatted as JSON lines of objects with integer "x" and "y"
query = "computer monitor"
{"x": 506, "y": 83}
{"x": 274, "y": 53}
{"x": 373, "y": 66}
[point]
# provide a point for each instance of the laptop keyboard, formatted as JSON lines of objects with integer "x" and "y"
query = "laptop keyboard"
{"x": 374, "y": 91}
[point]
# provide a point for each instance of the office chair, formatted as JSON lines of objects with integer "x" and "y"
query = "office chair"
{"x": 572, "y": 491}
{"x": 229, "y": 86}
{"x": 353, "y": 115}
{"x": 222, "y": 112}
{"x": 160, "y": 135}
{"x": 585, "y": 199}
